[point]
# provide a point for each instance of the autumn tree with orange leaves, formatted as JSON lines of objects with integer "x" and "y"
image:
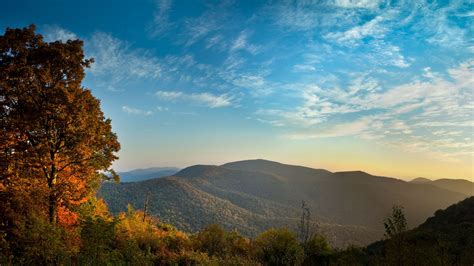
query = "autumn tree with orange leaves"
{"x": 56, "y": 145}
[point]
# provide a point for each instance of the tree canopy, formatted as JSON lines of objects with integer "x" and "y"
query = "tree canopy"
{"x": 56, "y": 143}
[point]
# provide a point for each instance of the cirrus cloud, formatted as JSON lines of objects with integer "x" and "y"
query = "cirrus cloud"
{"x": 136, "y": 111}
{"x": 205, "y": 98}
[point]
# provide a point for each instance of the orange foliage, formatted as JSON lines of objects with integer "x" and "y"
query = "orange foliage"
{"x": 55, "y": 141}
{"x": 67, "y": 218}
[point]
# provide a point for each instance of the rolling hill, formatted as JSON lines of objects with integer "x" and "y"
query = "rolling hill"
{"x": 458, "y": 185}
{"x": 251, "y": 196}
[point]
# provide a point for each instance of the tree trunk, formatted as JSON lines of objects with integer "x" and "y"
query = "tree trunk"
{"x": 52, "y": 208}
{"x": 52, "y": 196}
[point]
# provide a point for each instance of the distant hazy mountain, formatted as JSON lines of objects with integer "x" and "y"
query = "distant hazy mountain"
{"x": 253, "y": 195}
{"x": 147, "y": 173}
{"x": 457, "y": 185}
{"x": 421, "y": 180}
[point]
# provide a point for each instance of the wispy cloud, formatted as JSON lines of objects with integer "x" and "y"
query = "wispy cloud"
{"x": 205, "y": 98}
{"x": 214, "y": 41}
{"x": 307, "y": 15}
{"x": 385, "y": 53}
{"x": 169, "y": 95}
{"x": 136, "y": 111}
{"x": 296, "y": 15}
{"x": 363, "y": 83}
{"x": 369, "y": 4}
{"x": 303, "y": 68}
{"x": 434, "y": 22}
{"x": 161, "y": 22}
{"x": 255, "y": 82}
{"x": 340, "y": 130}
{"x": 466, "y": 14}
{"x": 314, "y": 109}
{"x": 402, "y": 113}
{"x": 56, "y": 33}
{"x": 113, "y": 56}
{"x": 199, "y": 28}
{"x": 241, "y": 43}
{"x": 161, "y": 108}
{"x": 372, "y": 28}
{"x": 210, "y": 21}
{"x": 115, "y": 62}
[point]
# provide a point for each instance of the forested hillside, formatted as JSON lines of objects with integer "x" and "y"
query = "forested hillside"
{"x": 252, "y": 196}
{"x": 446, "y": 238}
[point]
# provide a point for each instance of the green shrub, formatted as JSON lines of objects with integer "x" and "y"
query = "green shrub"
{"x": 211, "y": 240}
{"x": 278, "y": 247}
{"x": 317, "y": 251}
{"x": 215, "y": 241}
{"x": 98, "y": 242}
{"x": 42, "y": 242}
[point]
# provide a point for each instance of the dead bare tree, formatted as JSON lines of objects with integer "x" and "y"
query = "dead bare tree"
{"x": 145, "y": 208}
{"x": 306, "y": 227}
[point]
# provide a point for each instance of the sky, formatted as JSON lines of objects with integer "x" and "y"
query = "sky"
{"x": 385, "y": 87}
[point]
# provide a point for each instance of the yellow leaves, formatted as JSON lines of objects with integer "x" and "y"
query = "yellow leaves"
{"x": 101, "y": 209}
{"x": 182, "y": 235}
{"x": 149, "y": 233}
{"x": 94, "y": 209}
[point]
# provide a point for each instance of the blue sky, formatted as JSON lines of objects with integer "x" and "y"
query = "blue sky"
{"x": 381, "y": 86}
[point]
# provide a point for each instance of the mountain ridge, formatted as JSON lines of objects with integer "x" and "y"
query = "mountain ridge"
{"x": 146, "y": 173}
{"x": 253, "y": 195}
{"x": 458, "y": 185}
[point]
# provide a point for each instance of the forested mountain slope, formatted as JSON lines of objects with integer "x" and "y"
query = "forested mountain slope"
{"x": 446, "y": 238}
{"x": 253, "y": 195}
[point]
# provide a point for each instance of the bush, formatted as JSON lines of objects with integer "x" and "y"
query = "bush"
{"x": 138, "y": 239}
{"x": 215, "y": 241}
{"x": 194, "y": 258}
{"x": 172, "y": 239}
{"x": 98, "y": 242}
{"x": 352, "y": 256}
{"x": 317, "y": 251}
{"x": 211, "y": 240}
{"x": 278, "y": 247}
{"x": 42, "y": 242}
{"x": 238, "y": 261}
{"x": 237, "y": 245}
